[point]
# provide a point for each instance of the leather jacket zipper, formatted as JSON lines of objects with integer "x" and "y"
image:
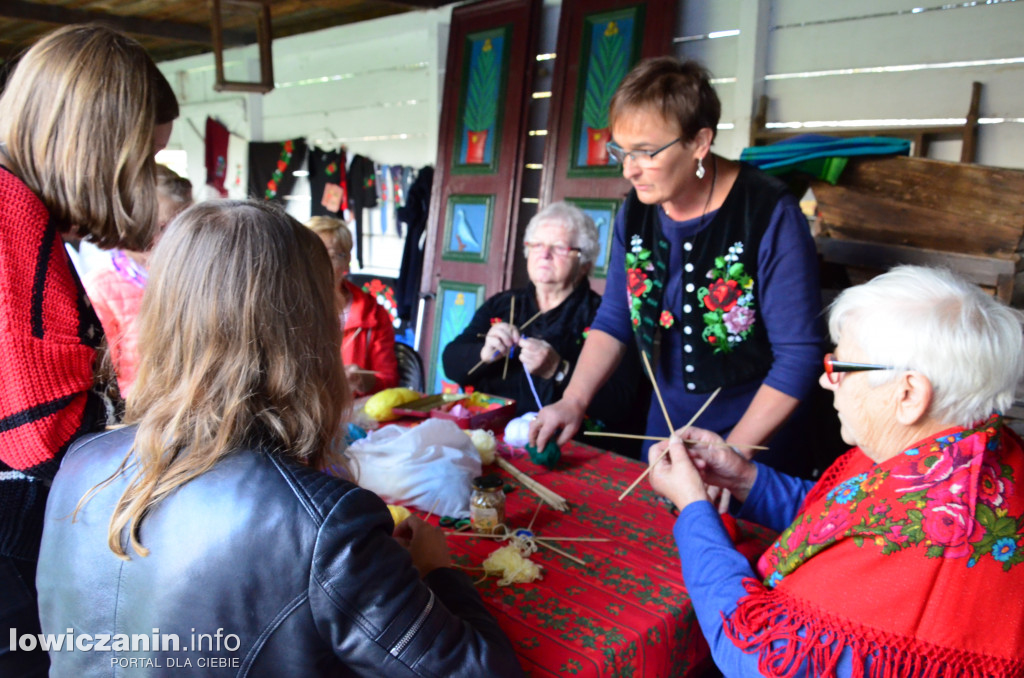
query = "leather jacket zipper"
{"x": 407, "y": 638}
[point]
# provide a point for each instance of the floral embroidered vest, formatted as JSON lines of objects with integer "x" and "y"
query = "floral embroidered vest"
{"x": 727, "y": 344}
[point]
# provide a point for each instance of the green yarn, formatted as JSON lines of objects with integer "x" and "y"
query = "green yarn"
{"x": 548, "y": 457}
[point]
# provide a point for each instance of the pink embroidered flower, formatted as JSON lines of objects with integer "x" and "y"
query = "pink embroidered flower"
{"x": 797, "y": 535}
{"x": 948, "y": 525}
{"x": 924, "y": 471}
{"x": 739, "y": 319}
{"x": 895, "y": 534}
{"x": 832, "y": 526}
{"x": 992, "y": 489}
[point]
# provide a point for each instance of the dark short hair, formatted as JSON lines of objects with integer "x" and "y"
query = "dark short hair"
{"x": 680, "y": 91}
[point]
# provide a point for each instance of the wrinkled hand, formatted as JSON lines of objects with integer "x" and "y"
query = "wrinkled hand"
{"x": 720, "y": 466}
{"x": 539, "y": 357}
{"x": 360, "y": 382}
{"x": 673, "y": 475}
{"x": 499, "y": 341}
{"x": 426, "y": 544}
{"x": 566, "y": 414}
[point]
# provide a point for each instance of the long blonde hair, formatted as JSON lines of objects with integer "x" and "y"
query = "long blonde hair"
{"x": 77, "y": 118}
{"x": 239, "y": 347}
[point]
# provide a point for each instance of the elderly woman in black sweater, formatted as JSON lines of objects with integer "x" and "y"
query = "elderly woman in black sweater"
{"x": 560, "y": 246}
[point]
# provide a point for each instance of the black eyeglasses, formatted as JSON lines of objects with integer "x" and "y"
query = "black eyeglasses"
{"x": 619, "y": 154}
{"x": 834, "y": 368}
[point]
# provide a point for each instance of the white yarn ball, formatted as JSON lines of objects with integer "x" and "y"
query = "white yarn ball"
{"x": 517, "y": 432}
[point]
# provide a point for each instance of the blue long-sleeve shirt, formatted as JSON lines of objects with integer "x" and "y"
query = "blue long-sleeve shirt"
{"x": 713, "y": 570}
{"x": 790, "y": 303}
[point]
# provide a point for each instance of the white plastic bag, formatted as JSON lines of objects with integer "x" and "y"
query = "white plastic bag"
{"x": 429, "y": 466}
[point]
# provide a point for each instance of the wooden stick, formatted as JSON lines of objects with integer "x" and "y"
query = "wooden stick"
{"x": 535, "y": 316}
{"x": 360, "y": 371}
{"x": 431, "y": 511}
{"x": 539, "y": 539}
{"x": 665, "y": 451}
{"x": 530, "y": 526}
{"x": 563, "y": 553}
{"x": 552, "y": 499}
{"x": 511, "y": 321}
{"x": 691, "y": 441}
{"x": 657, "y": 391}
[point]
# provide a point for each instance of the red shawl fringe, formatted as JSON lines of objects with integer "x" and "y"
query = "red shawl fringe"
{"x": 777, "y": 627}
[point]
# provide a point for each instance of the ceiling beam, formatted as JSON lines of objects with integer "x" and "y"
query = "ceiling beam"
{"x": 59, "y": 14}
{"x": 420, "y": 4}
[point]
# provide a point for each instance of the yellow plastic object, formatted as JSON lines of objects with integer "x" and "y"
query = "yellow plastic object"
{"x": 380, "y": 405}
{"x": 398, "y": 513}
{"x": 485, "y": 444}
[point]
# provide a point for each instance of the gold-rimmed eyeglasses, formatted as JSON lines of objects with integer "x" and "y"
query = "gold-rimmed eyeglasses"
{"x": 558, "y": 249}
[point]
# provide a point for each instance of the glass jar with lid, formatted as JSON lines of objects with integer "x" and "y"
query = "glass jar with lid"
{"x": 487, "y": 504}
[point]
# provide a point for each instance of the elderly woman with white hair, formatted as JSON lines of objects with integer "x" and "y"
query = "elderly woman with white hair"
{"x": 902, "y": 559}
{"x": 560, "y": 245}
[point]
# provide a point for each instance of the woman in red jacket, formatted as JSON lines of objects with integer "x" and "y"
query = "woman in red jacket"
{"x": 368, "y": 342}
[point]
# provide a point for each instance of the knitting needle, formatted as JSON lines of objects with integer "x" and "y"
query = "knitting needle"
{"x": 530, "y": 526}
{"x": 538, "y": 539}
{"x": 665, "y": 451}
{"x": 657, "y": 391}
{"x": 563, "y": 553}
{"x": 511, "y": 321}
{"x": 474, "y": 368}
{"x": 431, "y": 511}
{"x": 684, "y": 440}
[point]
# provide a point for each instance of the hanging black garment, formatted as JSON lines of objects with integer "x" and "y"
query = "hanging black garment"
{"x": 362, "y": 192}
{"x": 271, "y": 167}
{"x": 414, "y": 214}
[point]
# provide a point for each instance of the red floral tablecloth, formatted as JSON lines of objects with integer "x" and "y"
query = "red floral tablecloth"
{"x": 627, "y": 613}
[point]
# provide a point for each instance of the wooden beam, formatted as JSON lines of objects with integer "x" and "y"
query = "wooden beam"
{"x": 62, "y": 15}
{"x": 420, "y": 4}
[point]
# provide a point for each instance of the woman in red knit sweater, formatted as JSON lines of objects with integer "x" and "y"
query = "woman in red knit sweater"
{"x": 368, "y": 342}
{"x": 80, "y": 119}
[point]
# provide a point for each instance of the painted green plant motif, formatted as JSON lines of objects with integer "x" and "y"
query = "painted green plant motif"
{"x": 606, "y": 69}
{"x": 482, "y": 94}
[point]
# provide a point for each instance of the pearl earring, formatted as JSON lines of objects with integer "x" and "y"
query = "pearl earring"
{"x": 700, "y": 168}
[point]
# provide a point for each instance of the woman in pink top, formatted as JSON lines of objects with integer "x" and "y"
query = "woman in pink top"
{"x": 116, "y": 290}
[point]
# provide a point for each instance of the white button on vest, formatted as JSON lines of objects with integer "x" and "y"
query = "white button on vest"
{"x": 689, "y": 287}
{"x": 688, "y": 348}
{"x": 688, "y": 330}
{"x": 687, "y": 308}
{"x": 687, "y": 246}
{"x": 690, "y": 386}
{"x": 689, "y": 368}
{"x": 689, "y": 268}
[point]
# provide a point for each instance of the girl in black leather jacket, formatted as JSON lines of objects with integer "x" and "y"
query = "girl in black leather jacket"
{"x": 203, "y": 537}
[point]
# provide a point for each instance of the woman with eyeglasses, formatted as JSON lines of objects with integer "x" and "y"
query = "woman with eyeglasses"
{"x": 552, "y": 315}
{"x": 368, "y": 337}
{"x": 713, "y": 271}
{"x": 904, "y": 558}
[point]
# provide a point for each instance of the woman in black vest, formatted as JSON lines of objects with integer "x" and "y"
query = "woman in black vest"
{"x": 713, "y": 270}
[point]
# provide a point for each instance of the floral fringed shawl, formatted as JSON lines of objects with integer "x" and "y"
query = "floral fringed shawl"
{"x": 913, "y": 566}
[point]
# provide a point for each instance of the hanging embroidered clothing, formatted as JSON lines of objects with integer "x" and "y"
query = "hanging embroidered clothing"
{"x": 272, "y": 166}
{"x": 326, "y": 173}
{"x": 217, "y": 136}
{"x": 362, "y": 192}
